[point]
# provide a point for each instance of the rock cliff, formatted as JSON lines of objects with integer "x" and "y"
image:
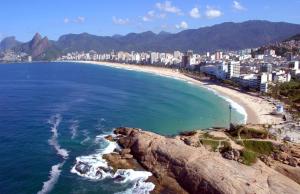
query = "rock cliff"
{"x": 198, "y": 170}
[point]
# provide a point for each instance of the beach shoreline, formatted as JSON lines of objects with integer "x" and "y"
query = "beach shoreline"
{"x": 256, "y": 109}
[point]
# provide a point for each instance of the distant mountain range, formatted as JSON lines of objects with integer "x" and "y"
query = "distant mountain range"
{"x": 225, "y": 36}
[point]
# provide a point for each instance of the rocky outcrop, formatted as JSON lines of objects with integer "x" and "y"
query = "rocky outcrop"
{"x": 36, "y": 47}
{"x": 197, "y": 170}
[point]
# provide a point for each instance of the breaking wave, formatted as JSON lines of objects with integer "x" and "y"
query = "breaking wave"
{"x": 73, "y": 128}
{"x": 86, "y": 135}
{"x": 96, "y": 168}
{"x": 54, "y": 122}
{"x": 53, "y": 177}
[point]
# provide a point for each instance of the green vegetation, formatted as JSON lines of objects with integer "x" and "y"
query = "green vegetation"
{"x": 260, "y": 147}
{"x": 212, "y": 143}
{"x": 248, "y": 157}
{"x": 232, "y": 83}
{"x": 288, "y": 92}
{"x": 215, "y": 144}
{"x": 244, "y": 132}
{"x": 208, "y": 136}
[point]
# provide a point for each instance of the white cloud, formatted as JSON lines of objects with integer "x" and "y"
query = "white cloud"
{"x": 66, "y": 20}
{"x": 79, "y": 19}
{"x": 120, "y": 21}
{"x": 195, "y": 13}
{"x": 212, "y": 12}
{"x": 151, "y": 15}
{"x": 168, "y": 7}
{"x": 238, "y": 6}
{"x": 182, "y": 25}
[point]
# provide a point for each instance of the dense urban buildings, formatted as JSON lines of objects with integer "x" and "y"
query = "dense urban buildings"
{"x": 249, "y": 70}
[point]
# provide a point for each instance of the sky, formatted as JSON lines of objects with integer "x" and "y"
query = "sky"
{"x": 53, "y": 18}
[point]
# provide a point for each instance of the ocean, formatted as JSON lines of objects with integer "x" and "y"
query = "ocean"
{"x": 53, "y": 115}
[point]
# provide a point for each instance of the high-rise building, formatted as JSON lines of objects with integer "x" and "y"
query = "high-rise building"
{"x": 177, "y": 54}
{"x": 187, "y": 59}
{"x": 153, "y": 57}
{"x": 294, "y": 65}
{"x": 270, "y": 52}
{"x": 234, "y": 69}
{"x": 219, "y": 55}
{"x": 29, "y": 59}
{"x": 266, "y": 68}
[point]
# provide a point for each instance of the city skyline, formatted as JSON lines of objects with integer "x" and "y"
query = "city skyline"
{"x": 57, "y": 18}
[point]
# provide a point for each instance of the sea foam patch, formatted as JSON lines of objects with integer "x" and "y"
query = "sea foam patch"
{"x": 74, "y": 128}
{"x": 54, "y": 175}
{"x": 87, "y": 138}
{"x": 94, "y": 167}
{"x": 54, "y": 122}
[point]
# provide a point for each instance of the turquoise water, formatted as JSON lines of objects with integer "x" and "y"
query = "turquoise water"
{"x": 51, "y": 113}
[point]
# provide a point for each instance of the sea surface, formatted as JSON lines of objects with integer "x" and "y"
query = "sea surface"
{"x": 54, "y": 115}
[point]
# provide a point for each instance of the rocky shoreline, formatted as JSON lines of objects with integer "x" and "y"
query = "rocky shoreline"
{"x": 194, "y": 163}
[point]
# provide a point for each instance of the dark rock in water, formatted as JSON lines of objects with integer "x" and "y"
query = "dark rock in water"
{"x": 82, "y": 167}
{"x": 99, "y": 174}
{"x": 104, "y": 169}
{"x": 117, "y": 150}
{"x": 119, "y": 178}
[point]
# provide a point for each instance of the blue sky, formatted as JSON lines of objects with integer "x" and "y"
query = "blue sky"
{"x": 52, "y": 18}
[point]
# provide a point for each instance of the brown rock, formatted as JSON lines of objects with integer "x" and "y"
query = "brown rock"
{"x": 289, "y": 171}
{"x": 284, "y": 148}
{"x": 127, "y": 156}
{"x": 292, "y": 161}
{"x": 125, "y": 151}
{"x": 109, "y": 138}
{"x": 199, "y": 171}
{"x": 228, "y": 155}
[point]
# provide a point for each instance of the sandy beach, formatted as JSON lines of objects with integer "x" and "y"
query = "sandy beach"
{"x": 257, "y": 109}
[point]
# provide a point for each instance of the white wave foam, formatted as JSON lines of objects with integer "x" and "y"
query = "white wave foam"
{"x": 74, "y": 127}
{"x": 54, "y": 175}
{"x": 139, "y": 179}
{"x": 237, "y": 107}
{"x": 240, "y": 109}
{"x": 55, "y": 121}
{"x": 86, "y": 135}
{"x": 96, "y": 168}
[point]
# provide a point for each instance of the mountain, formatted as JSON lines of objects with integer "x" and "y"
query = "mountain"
{"x": 9, "y": 43}
{"x": 40, "y": 48}
{"x": 225, "y": 36}
{"x": 295, "y": 37}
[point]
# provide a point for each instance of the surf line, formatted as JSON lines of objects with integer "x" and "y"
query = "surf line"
{"x": 55, "y": 171}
